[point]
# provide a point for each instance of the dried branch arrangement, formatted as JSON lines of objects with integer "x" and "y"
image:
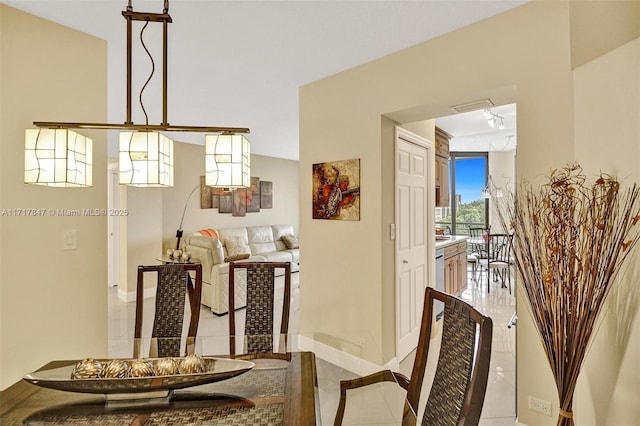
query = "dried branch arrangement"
{"x": 570, "y": 241}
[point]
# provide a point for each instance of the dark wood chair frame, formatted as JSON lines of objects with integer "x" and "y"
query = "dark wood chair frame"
{"x": 286, "y": 306}
{"x": 474, "y": 397}
{"x": 193, "y": 290}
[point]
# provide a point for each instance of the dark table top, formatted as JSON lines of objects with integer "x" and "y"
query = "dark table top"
{"x": 275, "y": 392}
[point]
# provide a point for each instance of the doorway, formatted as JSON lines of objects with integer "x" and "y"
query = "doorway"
{"x": 489, "y": 154}
{"x": 113, "y": 225}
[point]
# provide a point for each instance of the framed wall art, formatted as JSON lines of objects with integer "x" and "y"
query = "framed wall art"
{"x": 239, "y": 201}
{"x": 336, "y": 190}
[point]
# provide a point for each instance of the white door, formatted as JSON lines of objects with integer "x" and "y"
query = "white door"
{"x": 113, "y": 225}
{"x": 414, "y": 253}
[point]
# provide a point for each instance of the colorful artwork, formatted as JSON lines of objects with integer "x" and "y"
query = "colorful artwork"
{"x": 226, "y": 203}
{"x": 336, "y": 190}
{"x": 206, "y": 195}
{"x": 215, "y": 196}
{"x": 239, "y": 202}
{"x": 253, "y": 196}
{"x": 266, "y": 195}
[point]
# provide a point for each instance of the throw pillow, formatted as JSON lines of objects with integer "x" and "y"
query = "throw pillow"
{"x": 237, "y": 249}
{"x": 209, "y": 233}
{"x": 291, "y": 241}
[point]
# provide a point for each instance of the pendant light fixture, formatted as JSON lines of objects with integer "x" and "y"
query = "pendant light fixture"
{"x": 227, "y": 161}
{"x": 57, "y": 157}
{"x": 146, "y": 156}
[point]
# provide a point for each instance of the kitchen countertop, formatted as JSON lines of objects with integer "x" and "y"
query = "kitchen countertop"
{"x": 451, "y": 240}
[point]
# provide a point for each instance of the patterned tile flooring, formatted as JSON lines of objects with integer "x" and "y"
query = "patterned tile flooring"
{"x": 499, "y": 406}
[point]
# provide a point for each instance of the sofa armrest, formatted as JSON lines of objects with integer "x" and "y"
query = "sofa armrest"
{"x": 207, "y": 250}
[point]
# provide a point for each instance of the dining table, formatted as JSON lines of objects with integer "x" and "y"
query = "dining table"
{"x": 303, "y": 390}
{"x": 274, "y": 392}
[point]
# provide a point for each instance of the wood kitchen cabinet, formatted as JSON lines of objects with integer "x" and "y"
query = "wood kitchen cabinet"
{"x": 455, "y": 268}
{"x": 442, "y": 168}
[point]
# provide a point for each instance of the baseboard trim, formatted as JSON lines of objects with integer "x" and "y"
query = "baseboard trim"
{"x": 131, "y": 296}
{"x": 343, "y": 359}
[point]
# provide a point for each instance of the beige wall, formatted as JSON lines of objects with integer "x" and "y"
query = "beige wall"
{"x": 354, "y": 102}
{"x": 607, "y": 117}
{"x": 53, "y": 302}
{"x": 143, "y": 238}
{"x": 346, "y": 279}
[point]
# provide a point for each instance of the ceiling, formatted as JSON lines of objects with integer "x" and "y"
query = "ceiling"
{"x": 240, "y": 63}
{"x": 471, "y": 131}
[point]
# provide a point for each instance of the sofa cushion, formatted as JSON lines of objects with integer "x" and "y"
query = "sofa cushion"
{"x": 278, "y": 232}
{"x": 261, "y": 239}
{"x": 226, "y": 233}
{"x": 291, "y": 241}
{"x": 237, "y": 249}
{"x": 278, "y": 256}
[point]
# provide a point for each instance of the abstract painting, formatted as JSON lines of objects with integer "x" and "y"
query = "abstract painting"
{"x": 253, "y": 196}
{"x": 239, "y": 202}
{"x": 336, "y": 190}
{"x": 266, "y": 195}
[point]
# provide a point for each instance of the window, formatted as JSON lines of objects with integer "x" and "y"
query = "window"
{"x": 468, "y": 176}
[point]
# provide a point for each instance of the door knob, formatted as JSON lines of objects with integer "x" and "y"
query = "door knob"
{"x": 405, "y": 261}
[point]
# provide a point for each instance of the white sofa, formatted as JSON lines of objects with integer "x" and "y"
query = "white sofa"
{"x": 265, "y": 244}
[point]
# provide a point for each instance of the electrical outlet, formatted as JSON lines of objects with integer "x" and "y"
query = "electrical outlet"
{"x": 539, "y": 405}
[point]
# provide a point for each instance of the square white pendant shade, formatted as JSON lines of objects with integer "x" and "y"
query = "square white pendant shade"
{"x": 57, "y": 157}
{"x": 227, "y": 161}
{"x": 146, "y": 159}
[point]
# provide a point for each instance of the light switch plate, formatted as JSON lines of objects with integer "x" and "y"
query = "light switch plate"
{"x": 69, "y": 239}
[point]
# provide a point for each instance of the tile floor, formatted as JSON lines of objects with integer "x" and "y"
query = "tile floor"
{"x": 499, "y": 406}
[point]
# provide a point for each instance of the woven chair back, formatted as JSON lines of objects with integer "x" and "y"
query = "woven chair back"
{"x": 173, "y": 284}
{"x": 455, "y": 362}
{"x": 259, "y": 319}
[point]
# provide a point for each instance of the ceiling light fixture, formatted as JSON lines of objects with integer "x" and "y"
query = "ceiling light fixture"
{"x": 227, "y": 161}
{"x": 146, "y": 156}
{"x": 57, "y": 157}
{"x": 493, "y": 119}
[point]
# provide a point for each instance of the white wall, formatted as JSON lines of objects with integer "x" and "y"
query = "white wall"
{"x": 53, "y": 302}
{"x": 502, "y": 169}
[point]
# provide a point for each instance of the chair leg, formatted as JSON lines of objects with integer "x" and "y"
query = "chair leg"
{"x": 488, "y": 279}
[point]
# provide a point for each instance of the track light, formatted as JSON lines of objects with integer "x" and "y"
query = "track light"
{"x": 493, "y": 119}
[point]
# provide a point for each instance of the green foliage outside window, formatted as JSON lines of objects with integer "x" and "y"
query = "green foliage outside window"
{"x": 472, "y": 212}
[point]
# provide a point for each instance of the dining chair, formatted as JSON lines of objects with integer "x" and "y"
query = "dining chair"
{"x": 259, "y": 321}
{"x": 457, "y": 393}
{"x": 499, "y": 259}
{"x": 173, "y": 284}
{"x": 478, "y": 244}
